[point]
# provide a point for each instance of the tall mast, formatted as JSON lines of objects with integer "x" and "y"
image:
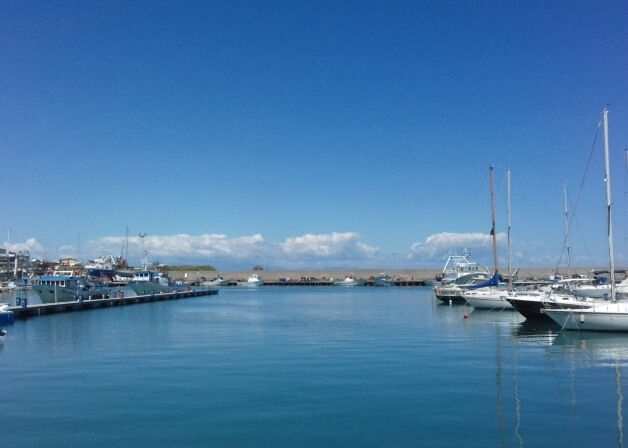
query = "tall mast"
{"x": 508, "y": 213}
{"x": 493, "y": 232}
{"x": 607, "y": 178}
{"x": 567, "y": 232}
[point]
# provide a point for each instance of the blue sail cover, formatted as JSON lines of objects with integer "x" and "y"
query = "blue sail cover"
{"x": 493, "y": 281}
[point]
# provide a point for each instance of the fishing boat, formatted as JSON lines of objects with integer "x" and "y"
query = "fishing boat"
{"x": 347, "y": 281}
{"x": 149, "y": 282}
{"x": 383, "y": 280}
{"x": 252, "y": 282}
{"x": 103, "y": 266}
{"x": 609, "y": 315}
{"x": 459, "y": 265}
{"x": 64, "y": 286}
{"x": 218, "y": 280}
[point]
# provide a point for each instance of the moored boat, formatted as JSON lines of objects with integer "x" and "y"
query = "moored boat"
{"x": 147, "y": 282}
{"x": 7, "y": 317}
{"x": 102, "y": 266}
{"x": 347, "y": 281}
{"x": 487, "y": 298}
{"x": 64, "y": 286}
{"x": 459, "y": 265}
{"x": 252, "y": 282}
{"x": 383, "y": 280}
{"x": 605, "y": 316}
{"x": 454, "y": 292}
{"x": 218, "y": 280}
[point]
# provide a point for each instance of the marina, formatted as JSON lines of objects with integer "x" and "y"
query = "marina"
{"x": 309, "y": 367}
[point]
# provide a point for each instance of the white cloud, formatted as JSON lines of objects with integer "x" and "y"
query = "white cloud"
{"x": 327, "y": 246}
{"x": 336, "y": 249}
{"x": 31, "y": 245}
{"x": 176, "y": 247}
{"x": 437, "y": 247}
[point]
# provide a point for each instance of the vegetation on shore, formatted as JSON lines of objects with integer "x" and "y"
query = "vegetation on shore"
{"x": 190, "y": 268}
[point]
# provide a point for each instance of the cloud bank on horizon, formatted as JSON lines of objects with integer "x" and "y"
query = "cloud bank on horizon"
{"x": 336, "y": 249}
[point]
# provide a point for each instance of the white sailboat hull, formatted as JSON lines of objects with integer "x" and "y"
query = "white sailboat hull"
{"x": 605, "y": 317}
{"x": 487, "y": 299}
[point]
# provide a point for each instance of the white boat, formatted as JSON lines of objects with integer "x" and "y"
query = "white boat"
{"x": 487, "y": 298}
{"x": 252, "y": 282}
{"x": 347, "y": 281}
{"x": 610, "y": 316}
{"x": 383, "y": 280}
{"x": 606, "y": 316}
{"x": 218, "y": 280}
{"x": 7, "y": 317}
{"x": 459, "y": 265}
{"x": 453, "y": 292}
{"x": 600, "y": 290}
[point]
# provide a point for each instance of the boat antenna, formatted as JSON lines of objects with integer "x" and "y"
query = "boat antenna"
{"x": 142, "y": 236}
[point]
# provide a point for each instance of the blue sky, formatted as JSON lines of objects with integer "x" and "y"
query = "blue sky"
{"x": 321, "y": 134}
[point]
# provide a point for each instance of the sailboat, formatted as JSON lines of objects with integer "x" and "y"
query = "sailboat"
{"x": 488, "y": 295}
{"x": 610, "y": 315}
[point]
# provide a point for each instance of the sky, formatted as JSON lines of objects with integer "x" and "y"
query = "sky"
{"x": 311, "y": 135}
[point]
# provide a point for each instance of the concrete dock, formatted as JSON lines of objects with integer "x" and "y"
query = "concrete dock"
{"x": 23, "y": 312}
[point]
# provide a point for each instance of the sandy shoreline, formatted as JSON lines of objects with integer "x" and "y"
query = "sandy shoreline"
{"x": 327, "y": 274}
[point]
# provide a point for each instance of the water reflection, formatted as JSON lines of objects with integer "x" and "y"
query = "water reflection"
{"x": 535, "y": 332}
{"x": 604, "y": 350}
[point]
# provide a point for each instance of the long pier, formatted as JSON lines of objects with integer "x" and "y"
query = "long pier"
{"x": 23, "y": 312}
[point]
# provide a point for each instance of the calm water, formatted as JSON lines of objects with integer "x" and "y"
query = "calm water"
{"x": 307, "y": 367}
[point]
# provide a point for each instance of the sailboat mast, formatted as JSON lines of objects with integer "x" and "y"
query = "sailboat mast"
{"x": 508, "y": 213}
{"x": 607, "y": 178}
{"x": 567, "y": 232}
{"x": 493, "y": 232}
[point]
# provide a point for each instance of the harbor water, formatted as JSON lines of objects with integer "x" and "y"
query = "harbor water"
{"x": 308, "y": 367}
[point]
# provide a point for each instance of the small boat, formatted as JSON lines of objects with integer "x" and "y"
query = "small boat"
{"x": 218, "y": 280}
{"x": 3, "y": 333}
{"x": 347, "y": 281}
{"x": 7, "y": 317}
{"x": 492, "y": 298}
{"x": 64, "y": 286}
{"x": 453, "y": 292}
{"x": 383, "y": 280}
{"x": 252, "y": 282}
